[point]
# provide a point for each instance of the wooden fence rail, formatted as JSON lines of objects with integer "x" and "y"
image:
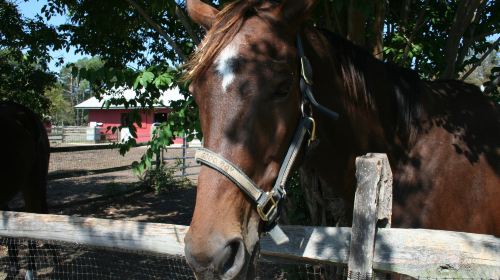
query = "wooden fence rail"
{"x": 414, "y": 252}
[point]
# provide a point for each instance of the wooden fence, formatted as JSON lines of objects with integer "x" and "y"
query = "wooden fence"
{"x": 414, "y": 252}
{"x": 417, "y": 253}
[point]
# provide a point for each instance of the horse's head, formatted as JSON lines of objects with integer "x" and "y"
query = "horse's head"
{"x": 245, "y": 80}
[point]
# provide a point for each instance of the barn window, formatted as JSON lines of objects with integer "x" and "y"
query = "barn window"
{"x": 124, "y": 119}
{"x": 160, "y": 117}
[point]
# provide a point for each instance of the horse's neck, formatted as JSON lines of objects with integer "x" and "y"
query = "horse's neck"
{"x": 363, "y": 90}
{"x": 375, "y": 113}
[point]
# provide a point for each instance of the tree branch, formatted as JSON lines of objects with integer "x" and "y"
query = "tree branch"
{"x": 463, "y": 18}
{"x": 490, "y": 49}
{"x": 158, "y": 28}
{"x": 492, "y": 86}
{"x": 418, "y": 25}
{"x": 182, "y": 17}
{"x": 469, "y": 40}
{"x": 378, "y": 29}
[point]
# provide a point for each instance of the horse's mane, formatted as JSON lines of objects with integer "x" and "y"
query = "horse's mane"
{"x": 367, "y": 79}
{"x": 227, "y": 24}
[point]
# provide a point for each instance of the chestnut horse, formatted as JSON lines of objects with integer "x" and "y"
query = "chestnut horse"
{"x": 442, "y": 138}
{"x": 25, "y": 152}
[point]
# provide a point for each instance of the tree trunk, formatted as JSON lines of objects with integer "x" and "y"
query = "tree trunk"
{"x": 356, "y": 23}
{"x": 378, "y": 30}
{"x": 405, "y": 10}
{"x": 328, "y": 16}
{"x": 463, "y": 18}
{"x": 469, "y": 40}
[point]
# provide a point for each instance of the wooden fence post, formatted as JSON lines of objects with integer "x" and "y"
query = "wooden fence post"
{"x": 372, "y": 202}
{"x": 184, "y": 155}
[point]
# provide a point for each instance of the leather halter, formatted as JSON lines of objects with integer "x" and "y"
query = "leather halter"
{"x": 268, "y": 203}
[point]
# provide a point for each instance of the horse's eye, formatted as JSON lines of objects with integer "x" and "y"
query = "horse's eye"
{"x": 282, "y": 91}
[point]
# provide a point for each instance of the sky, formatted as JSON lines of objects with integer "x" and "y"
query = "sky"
{"x": 30, "y": 9}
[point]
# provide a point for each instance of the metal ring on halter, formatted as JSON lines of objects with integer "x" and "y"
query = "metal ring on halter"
{"x": 312, "y": 132}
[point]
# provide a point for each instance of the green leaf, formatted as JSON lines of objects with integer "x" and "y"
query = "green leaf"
{"x": 163, "y": 81}
{"x": 136, "y": 83}
{"x": 146, "y": 78}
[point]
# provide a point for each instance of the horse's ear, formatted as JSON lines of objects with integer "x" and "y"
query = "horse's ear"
{"x": 296, "y": 10}
{"x": 201, "y": 13}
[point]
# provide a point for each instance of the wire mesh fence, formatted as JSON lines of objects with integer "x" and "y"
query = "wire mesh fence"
{"x": 36, "y": 259}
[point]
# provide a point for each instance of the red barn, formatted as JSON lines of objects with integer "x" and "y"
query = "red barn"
{"x": 101, "y": 118}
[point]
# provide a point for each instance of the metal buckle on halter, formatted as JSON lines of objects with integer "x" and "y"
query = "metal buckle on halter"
{"x": 306, "y": 70}
{"x": 267, "y": 212}
{"x": 312, "y": 132}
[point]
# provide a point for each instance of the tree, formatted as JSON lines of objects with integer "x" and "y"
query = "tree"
{"x": 24, "y": 54}
{"x": 486, "y": 74}
{"x": 77, "y": 89}
{"x": 24, "y": 82}
{"x": 61, "y": 111}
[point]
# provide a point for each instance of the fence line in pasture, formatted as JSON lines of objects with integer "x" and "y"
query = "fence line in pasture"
{"x": 83, "y": 160}
{"x": 186, "y": 161}
{"x": 82, "y": 134}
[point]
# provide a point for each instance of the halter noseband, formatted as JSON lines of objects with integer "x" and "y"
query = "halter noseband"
{"x": 268, "y": 203}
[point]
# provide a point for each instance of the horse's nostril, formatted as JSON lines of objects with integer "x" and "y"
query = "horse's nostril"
{"x": 233, "y": 259}
{"x": 226, "y": 262}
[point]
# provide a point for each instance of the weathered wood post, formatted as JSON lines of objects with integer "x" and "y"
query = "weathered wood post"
{"x": 184, "y": 155}
{"x": 372, "y": 203}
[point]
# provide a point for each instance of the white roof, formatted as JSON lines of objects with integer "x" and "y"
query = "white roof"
{"x": 165, "y": 99}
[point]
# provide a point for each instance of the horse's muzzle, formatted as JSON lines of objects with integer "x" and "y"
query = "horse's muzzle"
{"x": 227, "y": 261}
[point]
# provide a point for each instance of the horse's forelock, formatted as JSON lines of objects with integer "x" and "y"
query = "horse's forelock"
{"x": 227, "y": 24}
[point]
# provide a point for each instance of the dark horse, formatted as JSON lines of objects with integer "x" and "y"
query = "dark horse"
{"x": 442, "y": 138}
{"x": 25, "y": 152}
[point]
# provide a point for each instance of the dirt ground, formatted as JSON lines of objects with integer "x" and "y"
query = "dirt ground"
{"x": 115, "y": 195}
{"x": 127, "y": 202}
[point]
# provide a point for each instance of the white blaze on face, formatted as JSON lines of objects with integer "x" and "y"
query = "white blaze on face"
{"x": 224, "y": 64}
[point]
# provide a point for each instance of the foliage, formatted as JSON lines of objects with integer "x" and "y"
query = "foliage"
{"x": 30, "y": 39}
{"x": 24, "y": 82}
{"x": 77, "y": 89}
{"x": 61, "y": 111}
{"x": 419, "y": 35}
{"x": 24, "y": 54}
{"x": 295, "y": 205}
{"x": 162, "y": 180}
{"x": 493, "y": 84}
{"x": 486, "y": 74}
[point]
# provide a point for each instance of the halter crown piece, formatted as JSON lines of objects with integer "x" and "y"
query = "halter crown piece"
{"x": 268, "y": 204}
